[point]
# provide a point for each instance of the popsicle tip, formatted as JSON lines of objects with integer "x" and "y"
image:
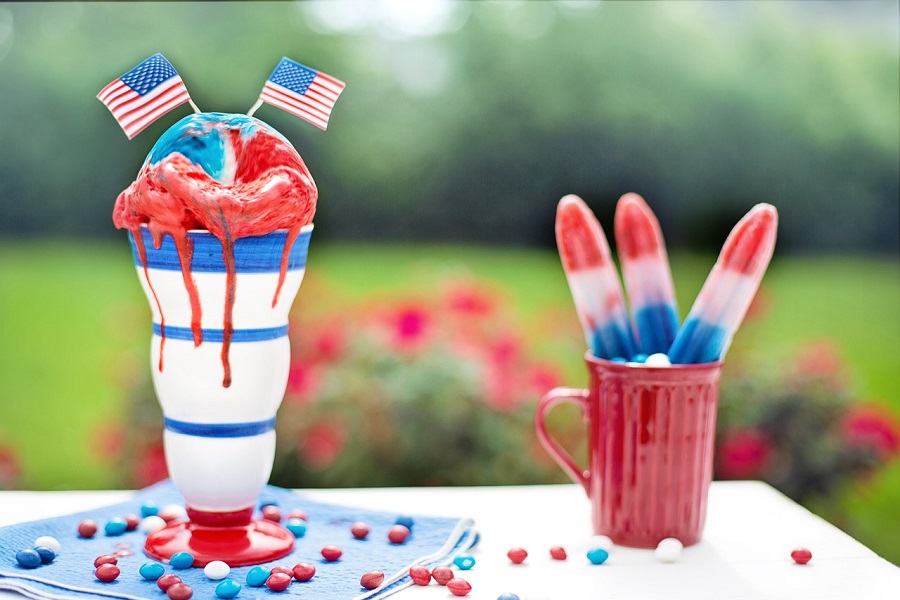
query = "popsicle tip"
{"x": 578, "y": 235}
{"x": 750, "y": 244}
{"x": 636, "y": 228}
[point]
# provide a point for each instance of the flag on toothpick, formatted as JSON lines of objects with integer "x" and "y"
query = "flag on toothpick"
{"x": 144, "y": 94}
{"x": 304, "y": 92}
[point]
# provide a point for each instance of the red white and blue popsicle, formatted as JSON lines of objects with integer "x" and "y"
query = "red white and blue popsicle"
{"x": 726, "y": 295}
{"x": 593, "y": 280}
{"x": 648, "y": 279}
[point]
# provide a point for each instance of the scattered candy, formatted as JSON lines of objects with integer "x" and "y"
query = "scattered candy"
{"x": 182, "y": 560}
{"x": 272, "y": 513}
{"x": 282, "y": 569}
{"x": 123, "y": 552}
{"x": 296, "y": 527}
{"x": 228, "y": 589}
{"x": 47, "y": 554}
{"x": 257, "y": 576}
{"x": 179, "y": 591}
{"x": 668, "y": 550}
{"x": 601, "y": 541}
{"x": 28, "y": 558}
{"x": 167, "y": 581}
{"x": 331, "y": 553}
{"x": 420, "y": 574}
{"x": 459, "y": 587}
{"x": 278, "y": 582}
{"x": 132, "y": 522}
{"x": 442, "y": 575}
{"x": 173, "y": 512}
{"x": 303, "y": 571}
{"x": 298, "y": 514}
{"x": 115, "y": 526}
{"x": 639, "y": 358}
{"x": 597, "y": 556}
{"x": 464, "y": 561}
{"x": 398, "y": 534}
{"x": 149, "y": 509}
{"x": 87, "y": 528}
{"x": 216, "y": 570}
{"x": 359, "y": 530}
{"x": 371, "y": 580}
{"x": 558, "y": 553}
{"x": 507, "y": 597}
{"x": 48, "y": 542}
{"x": 517, "y": 555}
{"x": 801, "y": 556}
{"x": 151, "y": 571}
{"x": 660, "y": 359}
{"x": 107, "y": 572}
{"x": 152, "y": 524}
{"x": 405, "y": 521}
{"x": 106, "y": 559}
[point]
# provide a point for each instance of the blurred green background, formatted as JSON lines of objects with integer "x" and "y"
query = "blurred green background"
{"x": 461, "y": 127}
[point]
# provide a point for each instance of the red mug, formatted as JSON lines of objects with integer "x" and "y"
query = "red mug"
{"x": 651, "y": 437}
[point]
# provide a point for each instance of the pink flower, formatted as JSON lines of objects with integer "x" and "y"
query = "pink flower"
{"x": 874, "y": 427}
{"x": 543, "y": 377}
{"x": 108, "y": 441}
{"x": 303, "y": 382}
{"x": 151, "y": 465}
{"x": 322, "y": 444}
{"x": 470, "y": 300}
{"x": 9, "y": 467}
{"x": 743, "y": 454}
{"x": 820, "y": 359}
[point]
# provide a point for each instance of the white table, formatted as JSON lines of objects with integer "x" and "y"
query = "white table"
{"x": 744, "y": 555}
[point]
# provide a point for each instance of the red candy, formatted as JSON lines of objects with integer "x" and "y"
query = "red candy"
{"x": 132, "y": 522}
{"x": 398, "y": 534}
{"x": 179, "y": 591}
{"x": 442, "y": 574}
{"x": 517, "y": 555}
{"x": 298, "y": 514}
{"x": 282, "y": 569}
{"x": 278, "y": 582}
{"x": 167, "y": 581}
{"x": 107, "y": 572}
{"x": 331, "y": 553}
{"x": 420, "y": 574}
{"x": 271, "y": 513}
{"x": 359, "y": 530}
{"x": 459, "y": 587}
{"x": 558, "y": 553}
{"x": 105, "y": 559}
{"x": 801, "y": 556}
{"x": 303, "y": 571}
{"x": 371, "y": 580}
{"x": 87, "y": 528}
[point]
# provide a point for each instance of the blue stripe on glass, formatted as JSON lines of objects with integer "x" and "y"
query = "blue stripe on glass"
{"x": 218, "y": 335}
{"x": 256, "y": 254}
{"x": 220, "y": 430}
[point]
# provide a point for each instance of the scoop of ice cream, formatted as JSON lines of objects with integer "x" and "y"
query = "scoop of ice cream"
{"x": 230, "y": 174}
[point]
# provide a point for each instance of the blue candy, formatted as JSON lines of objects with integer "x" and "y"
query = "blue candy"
{"x": 257, "y": 576}
{"x": 507, "y": 597}
{"x": 47, "y": 554}
{"x": 149, "y": 508}
{"x": 182, "y": 560}
{"x": 464, "y": 561}
{"x": 618, "y": 359}
{"x": 296, "y": 526}
{"x": 115, "y": 526}
{"x": 228, "y": 589}
{"x": 405, "y": 521}
{"x": 597, "y": 556}
{"x": 28, "y": 558}
{"x": 639, "y": 358}
{"x": 152, "y": 571}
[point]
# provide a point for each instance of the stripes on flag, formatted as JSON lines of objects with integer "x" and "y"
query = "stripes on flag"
{"x": 302, "y": 91}
{"x": 144, "y": 94}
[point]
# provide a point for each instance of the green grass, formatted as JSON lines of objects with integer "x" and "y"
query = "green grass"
{"x": 74, "y": 327}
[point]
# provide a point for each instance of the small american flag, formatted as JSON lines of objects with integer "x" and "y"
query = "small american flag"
{"x": 144, "y": 94}
{"x": 304, "y": 92}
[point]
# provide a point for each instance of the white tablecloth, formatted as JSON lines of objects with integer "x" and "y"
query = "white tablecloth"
{"x": 744, "y": 555}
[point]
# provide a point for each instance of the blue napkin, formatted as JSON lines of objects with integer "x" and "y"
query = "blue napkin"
{"x": 433, "y": 541}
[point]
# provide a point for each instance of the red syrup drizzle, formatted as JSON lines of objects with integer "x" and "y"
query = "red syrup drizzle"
{"x": 142, "y": 254}
{"x": 272, "y": 190}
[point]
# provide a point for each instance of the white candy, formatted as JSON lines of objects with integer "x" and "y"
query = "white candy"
{"x": 151, "y": 524}
{"x": 216, "y": 570}
{"x": 668, "y": 550}
{"x": 175, "y": 510}
{"x": 48, "y": 542}
{"x": 660, "y": 359}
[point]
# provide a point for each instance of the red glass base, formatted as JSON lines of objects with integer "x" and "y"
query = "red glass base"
{"x": 238, "y": 545}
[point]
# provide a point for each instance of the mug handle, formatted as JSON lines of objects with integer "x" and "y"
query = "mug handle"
{"x": 578, "y": 397}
